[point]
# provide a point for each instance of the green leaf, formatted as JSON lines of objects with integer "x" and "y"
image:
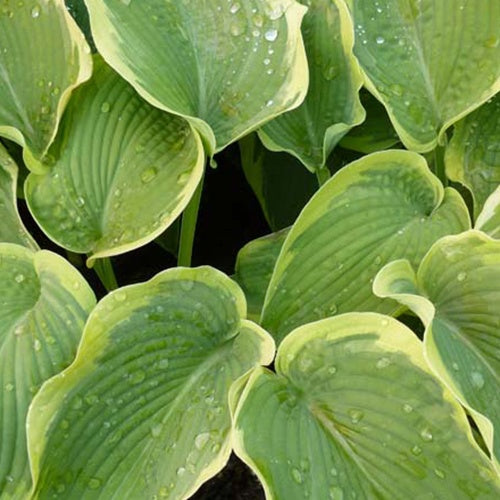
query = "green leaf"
{"x": 385, "y": 206}
{"x": 44, "y": 303}
{"x": 473, "y": 155}
{"x": 429, "y": 62}
{"x": 12, "y": 229}
{"x": 488, "y": 220}
{"x": 354, "y": 411}
{"x": 375, "y": 133}
{"x": 122, "y": 170}
{"x": 219, "y": 49}
{"x": 456, "y": 293}
{"x": 79, "y": 12}
{"x": 143, "y": 410}
{"x": 254, "y": 268}
{"x": 331, "y": 107}
{"x": 43, "y": 57}
{"x": 266, "y": 172}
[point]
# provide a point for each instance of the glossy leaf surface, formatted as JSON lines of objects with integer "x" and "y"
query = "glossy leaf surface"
{"x": 44, "y": 303}
{"x": 222, "y": 83}
{"x": 354, "y": 411}
{"x": 12, "y": 229}
{"x": 332, "y": 105}
{"x": 488, "y": 220}
{"x": 473, "y": 155}
{"x": 430, "y": 62}
{"x": 43, "y": 56}
{"x": 122, "y": 171}
{"x": 254, "y": 268}
{"x": 143, "y": 410}
{"x": 380, "y": 208}
{"x": 456, "y": 293}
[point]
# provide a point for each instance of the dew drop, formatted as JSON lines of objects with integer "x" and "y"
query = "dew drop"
{"x": 201, "y": 440}
{"x": 149, "y": 174}
{"x": 234, "y": 8}
{"x": 477, "y": 379}
{"x": 120, "y": 296}
{"x": 426, "y": 434}
{"x": 462, "y": 276}
{"x": 383, "y": 363}
{"x": 271, "y": 34}
{"x": 455, "y": 366}
{"x": 183, "y": 178}
{"x": 105, "y": 107}
{"x": 80, "y": 202}
{"x": 332, "y": 370}
{"x": 137, "y": 377}
{"x": 416, "y": 450}
{"x": 37, "y": 345}
{"x": 9, "y": 387}
{"x": 439, "y": 473}
{"x": 156, "y": 430}
{"x": 407, "y": 408}
{"x": 336, "y": 493}
{"x": 236, "y": 29}
{"x": 94, "y": 483}
{"x": 35, "y": 12}
{"x": 297, "y": 476}
{"x": 163, "y": 364}
{"x": 380, "y": 40}
{"x": 19, "y": 278}
{"x": 355, "y": 415}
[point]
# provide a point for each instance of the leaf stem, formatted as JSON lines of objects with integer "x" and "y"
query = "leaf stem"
{"x": 188, "y": 227}
{"x": 323, "y": 175}
{"x": 104, "y": 269}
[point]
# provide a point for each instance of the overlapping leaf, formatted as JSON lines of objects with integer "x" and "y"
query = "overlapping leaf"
{"x": 473, "y": 156}
{"x": 12, "y": 229}
{"x": 354, "y": 412}
{"x": 488, "y": 220}
{"x": 331, "y": 107}
{"x": 279, "y": 181}
{"x": 143, "y": 411}
{"x": 385, "y": 206}
{"x": 254, "y": 268}
{"x": 429, "y": 62}
{"x": 228, "y": 67}
{"x": 44, "y": 303}
{"x": 122, "y": 170}
{"x": 43, "y": 56}
{"x": 456, "y": 293}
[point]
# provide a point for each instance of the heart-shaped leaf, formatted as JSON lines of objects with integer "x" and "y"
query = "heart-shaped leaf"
{"x": 385, "y": 206}
{"x": 43, "y": 57}
{"x": 456, "y": 293}
{"x": 254, "y": 268}
{"x": 473, "y": 156}
{"x": 488, "y": 220}
{"x": 280, "y": 182}
{"x": 143, "y": 411}
{"x": 12, "y": 229}
{"x": 44, "y": 303}
{"x": 430, "y": 62}
{"x": 122, "y": 170}
{"x": 354, "y": 412}
{"x": 237, "y": 64}
{"x": 331, "y": 107}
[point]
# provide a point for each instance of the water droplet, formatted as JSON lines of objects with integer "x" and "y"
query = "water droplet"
{"x": 380, "y": 40}
{"x": 336, "y": 493}
{"x": 37, "y": 345}
{"x": 426, "y": 434}
{"x": 149, "y": 174}
{"x": 332, "y": 370}
{"x": 236, "y": 29}
{"x": 439, "y": 473}
{"x": 355, "y": 415}
{"x": 462, "y": 276}
{"x": 201, "y": 440}
{"x": 407, "y": 408}
{"x": 378, "y": 260}
{"x": 156, "y": 430}
{"x": 397, "y": 90}
{"x": 234, "y": 8}
{"x": 163, "y": 364}
{"x": 105, "y": 107}
{"x": 297, "y": 476}
{"x": 80, "y": 201}
{"x": 91, "y": 399}
{"x": 477, "y": 379}
{"x": 416, "y": 450}
{"x": 183, "y": 178}
{"x": 137, "y": 377}
{"x": 94, "y": 483}
{"x": 19, "y": 278}
{"x": 35, "y": 12}
{"x": 455, "y": 366}
{"x": 120, "y": 296}
{"x": 9, "y": 387}
{"x": 383, "y": 363}
{"x": 333, "y": 309}
{"x": 269, "y": 103}
{"x": 271, "y": 34}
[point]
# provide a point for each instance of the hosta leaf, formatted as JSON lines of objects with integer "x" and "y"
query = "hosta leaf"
{"x": 354, "y": 412}
{"x": 430, "y": 62}
{"x": 43, "y": 56}
{"x": 456, "y": 293}
{"x": 332, "y": 105}
{"x": 12, "y": 229}
{"x": 122, "y": 172}
{"x": 279, "y": 181}
{"x": 488, "y": 220}
{"x": 473, "y": 156}
{"x": 237, "y": 64}
{"x": 382, "y": 207}
{"x": 143, "y": 410}
{"x": 44, "y": 303}
{"x": 79, "y": 12}
{"x": 375, "y": 133}
{"x": 254, "y": 268}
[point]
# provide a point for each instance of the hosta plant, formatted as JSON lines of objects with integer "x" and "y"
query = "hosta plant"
{"x": 350, "y": 350}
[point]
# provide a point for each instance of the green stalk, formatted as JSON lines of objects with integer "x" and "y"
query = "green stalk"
{"x": 188, "y": 228}
{"x": 104, "y": 269}
{"x": 439, "y": 165}
{"x": 323, "y": 175}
